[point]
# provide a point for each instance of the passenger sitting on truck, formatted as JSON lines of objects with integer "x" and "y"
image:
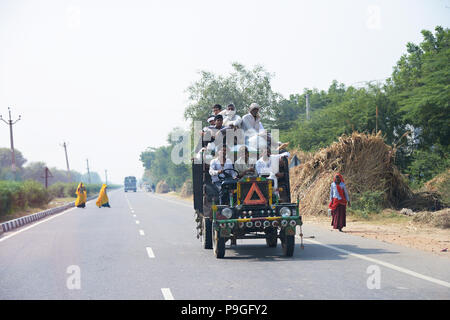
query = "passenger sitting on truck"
{"x": 217, "y": 109}
{"x": 231, "y": 119}
{"x": 208, "y": 134}
{"x": 270, "y": 164}
{"x": 211, "y": 122}
{"x": 219, "y": 164}
{"x": 252, "y": 120}
{"x": 242, "y": 164}
{"x": 218, "y": 131}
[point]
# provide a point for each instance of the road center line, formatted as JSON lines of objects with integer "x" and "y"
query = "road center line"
{"x": 141, "y": 232}
{"x": 385, "y": 264}
{"x": 167, "y": 294}
{"x": 169, "y": 200}
{"x": 150, "y": 252}
{"x": 137, "y": 222}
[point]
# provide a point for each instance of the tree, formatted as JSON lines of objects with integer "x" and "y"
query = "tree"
{"x": 159, "y": 165}
{"x": 241, "y": 87}
{"x": 420, "y": 84}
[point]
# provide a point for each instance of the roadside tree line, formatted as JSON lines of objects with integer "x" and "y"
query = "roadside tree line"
{"x": 411, "y": 108}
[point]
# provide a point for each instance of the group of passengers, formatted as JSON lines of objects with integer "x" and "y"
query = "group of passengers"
{"x": 250, "y": 124}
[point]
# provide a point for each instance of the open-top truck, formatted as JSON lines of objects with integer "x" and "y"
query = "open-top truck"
{"x": 246, "y": 208}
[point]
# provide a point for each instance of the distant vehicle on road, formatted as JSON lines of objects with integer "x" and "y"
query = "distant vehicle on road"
{"x": 130, "y": 183}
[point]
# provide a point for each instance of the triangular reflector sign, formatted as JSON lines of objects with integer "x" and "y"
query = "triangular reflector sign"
{"x": 249, "y": 198}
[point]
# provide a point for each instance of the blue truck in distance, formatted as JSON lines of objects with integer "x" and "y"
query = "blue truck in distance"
{"x": 130, "y": 183}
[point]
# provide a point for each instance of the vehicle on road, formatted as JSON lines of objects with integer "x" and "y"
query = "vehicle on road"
{"x": 245, "y": 208}
{"x": 130, "y": 183}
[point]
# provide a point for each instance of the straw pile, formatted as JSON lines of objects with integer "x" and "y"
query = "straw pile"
{"x": 365, "y": 162}
{"x": 186, "y": 189}
{"x": 162, "y": 187}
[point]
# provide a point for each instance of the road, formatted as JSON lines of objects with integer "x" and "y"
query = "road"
{"x": 144, "y": 247}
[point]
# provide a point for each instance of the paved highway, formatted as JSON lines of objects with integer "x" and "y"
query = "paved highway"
{"x": 144, "y": 247}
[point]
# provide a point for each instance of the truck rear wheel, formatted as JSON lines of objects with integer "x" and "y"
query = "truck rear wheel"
{"x": 207, "y": 233}
{"x": 219, "y": 245}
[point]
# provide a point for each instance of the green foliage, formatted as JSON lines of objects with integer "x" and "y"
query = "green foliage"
{"x": 420, "y": 84}
{"x": 425, "y": 165}
{"x": 367, "y": 203}
{"x": 343, "y": 111}
{"x": 20, "y": 195}
{"x": 11, "y": 195}
{"x": 241, "y": 87}
{"x": 36, "y": 194}
{"x": 159, "y": 166}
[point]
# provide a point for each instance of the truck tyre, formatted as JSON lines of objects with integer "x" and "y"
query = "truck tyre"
{"x": 207, "y": 233}
{"x": 288, "y": 244}
{"x": 272, "y": 238}
{"x": 218, "y": 245}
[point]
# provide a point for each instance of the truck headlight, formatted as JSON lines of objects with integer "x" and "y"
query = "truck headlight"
{"x": 227, "y": 213}
{"x": 285, "y": 212}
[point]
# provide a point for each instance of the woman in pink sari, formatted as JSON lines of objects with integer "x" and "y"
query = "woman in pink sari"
{"x": 338, "y": 202}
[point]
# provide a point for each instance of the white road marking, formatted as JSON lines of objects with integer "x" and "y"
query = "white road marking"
{"x": 137, "y": 222}
{"x": 134, "y": 215}
{"x": 141, "y": 232}
{"x": 167, "y": 294}
{"x": 161, "y": 198}
{"x": 150, "y": 252}
{"x": 385, "y": 264}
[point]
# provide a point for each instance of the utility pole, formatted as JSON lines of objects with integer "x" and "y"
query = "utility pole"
{"x": 67, "y": 161}
{"x": 47, "y": 174}
{"x": 10, "y": 122}
{"x": 89, "y": 174}
{"x": 307, "y": 106}
{"x": 106, "y": 176}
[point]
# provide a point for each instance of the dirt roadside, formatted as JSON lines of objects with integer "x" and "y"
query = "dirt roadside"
{"x": 390, "y": 227}
{"x": 402, "y": 232}
{"x": 57, "y": 202}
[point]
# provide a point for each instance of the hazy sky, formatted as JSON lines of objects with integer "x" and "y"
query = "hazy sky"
{"x": 109, "y": 77}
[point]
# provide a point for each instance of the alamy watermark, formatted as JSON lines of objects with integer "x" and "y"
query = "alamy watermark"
{"x": 374, "y": 279}
{"x": 73, "y": 282}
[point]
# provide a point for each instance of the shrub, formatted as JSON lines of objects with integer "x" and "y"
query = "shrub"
{"x": 36, "y": 194}
{"x": 9, "y": 193}
{"x": 367, "y": 202}
{"x": 57, "y": 190}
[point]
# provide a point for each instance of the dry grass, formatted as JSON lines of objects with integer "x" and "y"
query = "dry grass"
{"x": 186, "y": 189}
{"x": 57, "y": 202}
{"x": 364, "y": 160}
{"x": 162, "y": 187}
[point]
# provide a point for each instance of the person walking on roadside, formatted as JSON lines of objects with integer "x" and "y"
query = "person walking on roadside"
{"x": 338, "y": 202}
{"x": 102, "y": 200}
{"x": 81, "y": 196}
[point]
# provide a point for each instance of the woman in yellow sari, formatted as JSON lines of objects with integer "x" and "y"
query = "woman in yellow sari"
{"x": 102, "y": 200}
{"x": 81, "y": 196}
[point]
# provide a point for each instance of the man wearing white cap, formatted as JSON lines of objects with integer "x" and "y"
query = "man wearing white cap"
{"x": 252, "y": 120}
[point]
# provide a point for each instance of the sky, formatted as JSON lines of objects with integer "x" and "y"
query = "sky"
{"x": 109, "y": 78}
